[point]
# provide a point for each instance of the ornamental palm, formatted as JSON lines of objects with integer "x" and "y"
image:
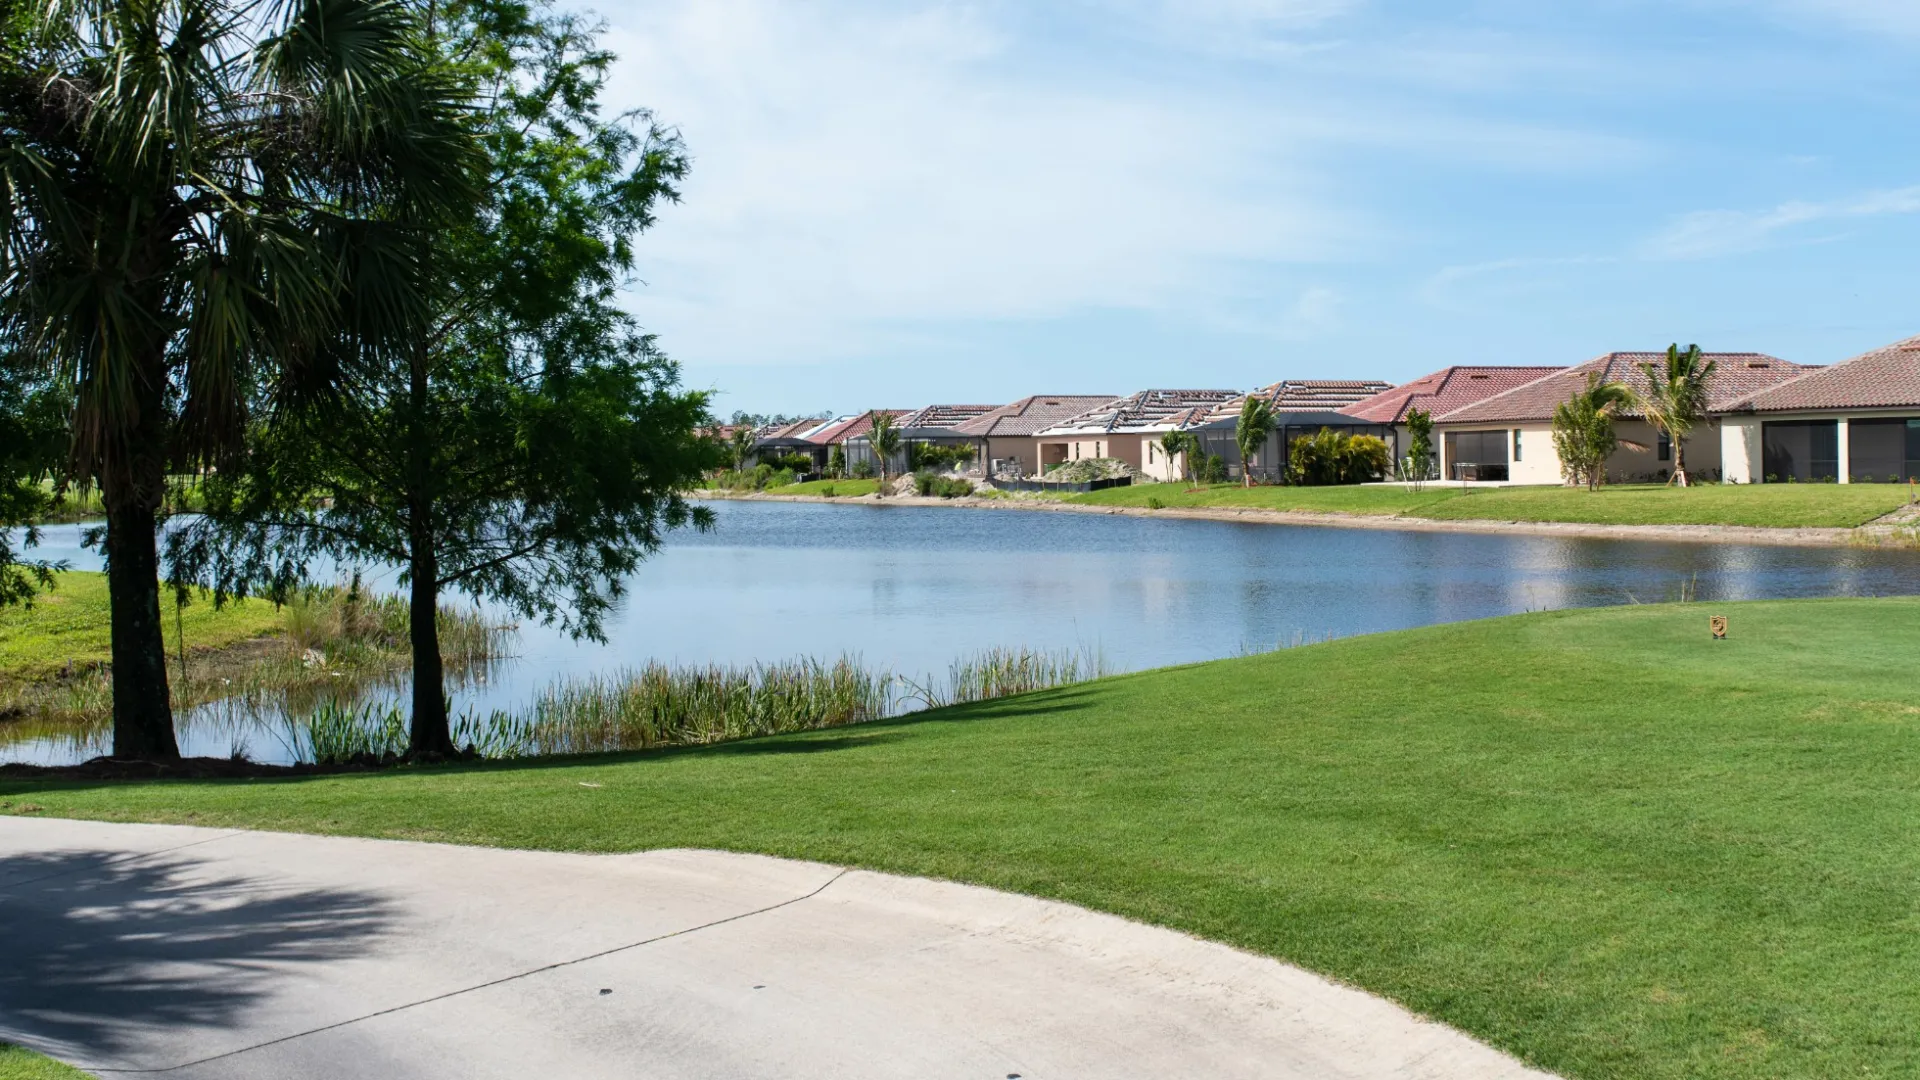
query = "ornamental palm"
{"x": 1175, "y": 443}
{"x": 1250, "y": 432}
{"x": 1676, "y": 399}
{"x": 885, "y": 440}
{"x": 1583, "y": 432}
{"x": 207, "y": 198}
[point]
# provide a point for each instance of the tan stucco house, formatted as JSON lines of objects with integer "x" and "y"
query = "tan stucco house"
{"x": 1855, "y": 422}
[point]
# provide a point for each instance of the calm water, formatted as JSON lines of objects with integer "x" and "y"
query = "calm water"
{"x": 912, "y": 588}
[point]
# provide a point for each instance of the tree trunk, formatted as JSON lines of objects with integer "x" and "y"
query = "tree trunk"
{"x": 429, "y": 734}
{"x": 1679, "y": 461}
{"x": 142, "y": 712}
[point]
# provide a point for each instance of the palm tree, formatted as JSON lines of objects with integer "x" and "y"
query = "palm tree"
{"x": 1251, "y": 431}
{"x": 1583, "y": 432}
{"x": 209, "y": 199}
{"x": 740, "y": 444}
{"x": 1176, "y": 443}
{"x": 885, "y": 440}
{"x": 1676, "y": 399}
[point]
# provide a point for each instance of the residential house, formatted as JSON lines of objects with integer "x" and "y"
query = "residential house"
{"x": 1007, "y": 438}
{"x": 931, "y": 425}
{"x": 1437, "y": 394}
{"x": 798, "y": 437}
{"x": 1301, "y": 407}
{"x": 1509, "y": 436}
{"x": 842, "y": 432}
{"x": 1857, "y": 421}
{"x": 1129, "y": 429}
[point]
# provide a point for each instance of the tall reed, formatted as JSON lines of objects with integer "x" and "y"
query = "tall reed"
{"x": 657, "y": 705}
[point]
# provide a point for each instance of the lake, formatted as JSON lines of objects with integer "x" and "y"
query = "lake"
{"x": 913, "y": 588}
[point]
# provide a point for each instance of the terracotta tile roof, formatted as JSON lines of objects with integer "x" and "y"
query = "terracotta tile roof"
{"x": 854, "y": 426}
{"x": 1445, "y": 390}
{"x": 1885, "y": 378}
{"x": 1148, "y": 410}
{"x": 943, "y": 416}
{"x": 1304, "y": 395}
{"x": 1736, "y": 376}
{"x": 1032, "y": 415}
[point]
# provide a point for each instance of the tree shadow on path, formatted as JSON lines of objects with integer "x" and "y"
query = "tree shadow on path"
{"x": 109, "y": 953}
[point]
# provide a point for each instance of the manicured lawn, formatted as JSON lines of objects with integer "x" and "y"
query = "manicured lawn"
{"x": 71, "y": 623}
{"x": 1762, "y": 505}
{"x": 20, "y": 1063}
{"x": 1597, "y": 838}
{"x": 845, "y": 489}
{"x": 1333, "y": 500}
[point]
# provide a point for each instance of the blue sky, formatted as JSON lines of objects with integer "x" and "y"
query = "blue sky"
{"x": 897, "y": 204}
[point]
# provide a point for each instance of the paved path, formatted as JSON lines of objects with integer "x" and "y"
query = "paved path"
{"x": 202, "y": 953}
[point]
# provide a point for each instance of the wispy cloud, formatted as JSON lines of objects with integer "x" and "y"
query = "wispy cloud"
{"x": 1711, "y": 233}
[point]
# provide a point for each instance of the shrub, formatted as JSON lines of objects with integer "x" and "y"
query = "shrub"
{"x": 1212, "y": 469}
{"x": 943, "y": 487}
{"x": 863, "y": 470}
{"x": 1154, "y": 503}
{"x": 937, "y": 457}
{"x": 1335, "y": 457}
{"x": 837, "y": 462}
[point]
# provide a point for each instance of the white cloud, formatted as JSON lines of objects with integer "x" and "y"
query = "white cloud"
{"x": 1710, "y": 233}
{"x": 1878, "y": 16}
{"x": 855, "y": 171}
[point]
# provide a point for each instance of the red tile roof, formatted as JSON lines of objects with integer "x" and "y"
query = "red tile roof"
{"x": 855, "y": 426}
{"x": 1736, "y": 376}
{"x": 1445, "y": 390}
{"x": 1885, "y": 378}
{"x": 1029, "y": 416}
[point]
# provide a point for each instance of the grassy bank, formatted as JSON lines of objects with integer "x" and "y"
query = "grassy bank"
{"x": 832, "y": 489}
{"x": 1595, "y": 838}
{"x": 20, "y": 1063}
{"x": 54, "y": 656}
{"x": 1837, "y": 506}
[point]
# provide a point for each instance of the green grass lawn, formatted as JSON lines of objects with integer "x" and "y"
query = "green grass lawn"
{"x": 71, "y": 623}
{"x": 1326, "y": 500}
{"x": 844, "y": 489}
{"x": 1595, "y": 838}
{"x": 1762, "y": 505}
{"x": 20, "y": 1063}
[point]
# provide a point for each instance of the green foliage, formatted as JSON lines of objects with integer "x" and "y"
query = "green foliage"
{"x": 884, "y": 438}
{"x": 1337, "y": 457}
{"x": 940, "y": 457}
{"x": 1251, "y": 431}
{"x": 205, "y": 199}
{"x": 1420, "y": 463}
{"x": 527, "y": 443}
{"x": 837, "y": 461}
{"x": 32, "y": 447}
{"x": 1212, "y": 469}
{"x": 739, "y": 446}
{"x": 934, "y": 485}
{"x": 1676, "y": 399}
{"x": 1583, "y": 434}
{"x": 1154, "y": 502}
{"x": 1180, "y": 446}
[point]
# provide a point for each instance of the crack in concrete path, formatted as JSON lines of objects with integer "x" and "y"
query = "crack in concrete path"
{"x": 465, "y": 989}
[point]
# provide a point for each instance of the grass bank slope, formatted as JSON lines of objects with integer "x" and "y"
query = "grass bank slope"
{"x": 1595, "y": 838}
{"x": 839, "y": 489}
{"x": 72, "y": 623}
{"x": 1779, "y": 506}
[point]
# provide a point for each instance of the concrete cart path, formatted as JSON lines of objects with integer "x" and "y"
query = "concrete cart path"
{"x": 203, "y": 953}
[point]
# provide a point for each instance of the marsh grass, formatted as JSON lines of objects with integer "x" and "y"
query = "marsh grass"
{"x": 658, "y": 705}
{"x": 330, "y": 643}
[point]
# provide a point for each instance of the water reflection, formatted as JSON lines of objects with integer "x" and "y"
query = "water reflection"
{"x": 912, "y": 588}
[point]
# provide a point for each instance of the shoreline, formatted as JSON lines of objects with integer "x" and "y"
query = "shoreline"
{"x": 1870, "y": 535}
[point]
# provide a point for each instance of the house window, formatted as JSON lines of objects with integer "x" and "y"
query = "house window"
{"x": 1516, "y": 444}
{"x": 1665, "y": 452}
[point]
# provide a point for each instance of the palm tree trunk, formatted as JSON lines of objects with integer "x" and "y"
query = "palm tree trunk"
{"x": 1679, "y": 461}
{"x": 142, "y": 711}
